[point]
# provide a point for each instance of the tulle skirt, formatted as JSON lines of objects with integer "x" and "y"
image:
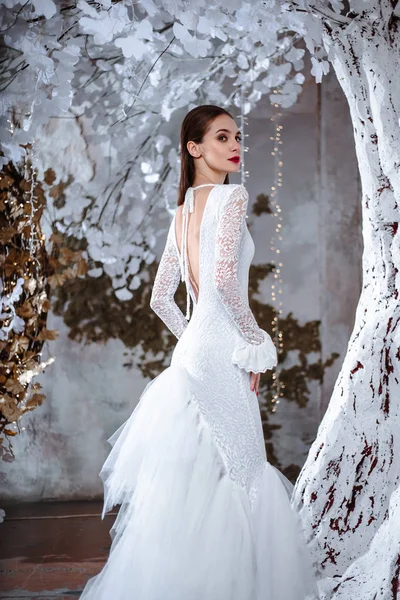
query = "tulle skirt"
{"x": 185, "y": 530}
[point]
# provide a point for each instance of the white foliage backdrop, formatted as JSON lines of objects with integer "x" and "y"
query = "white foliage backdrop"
{"x": 103, "y": 83}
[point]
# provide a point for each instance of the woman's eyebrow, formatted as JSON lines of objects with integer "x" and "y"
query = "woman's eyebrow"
{"x": 229, "y": 131}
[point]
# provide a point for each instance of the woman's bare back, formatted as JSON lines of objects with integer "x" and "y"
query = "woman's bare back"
{"x": 193, "y": 235}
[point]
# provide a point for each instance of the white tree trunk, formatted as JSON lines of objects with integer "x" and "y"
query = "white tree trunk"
{"x": 375, "y": 575}
{"x": 344, "y": 489}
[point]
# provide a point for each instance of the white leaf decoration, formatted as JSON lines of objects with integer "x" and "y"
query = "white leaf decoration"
{"x": 47, "y": 8}
{"x": 131, "y": 46}
{"x": 123, "y": 294}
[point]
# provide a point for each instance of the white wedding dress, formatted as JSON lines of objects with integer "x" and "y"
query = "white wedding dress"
{"x": 203, "y": 515}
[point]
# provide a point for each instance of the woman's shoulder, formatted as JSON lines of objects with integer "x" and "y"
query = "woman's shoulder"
{"x": 232, "y": 185}
{"x": 228, "y": 193}
{"x": 231, "y": 190}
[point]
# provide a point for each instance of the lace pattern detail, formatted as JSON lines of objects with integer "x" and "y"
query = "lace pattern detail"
{"x": 228, "y": 243}
{"x": 165, "y": 285}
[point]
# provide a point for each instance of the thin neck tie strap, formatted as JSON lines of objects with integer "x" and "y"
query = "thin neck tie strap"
{"x": 202, "y": 185}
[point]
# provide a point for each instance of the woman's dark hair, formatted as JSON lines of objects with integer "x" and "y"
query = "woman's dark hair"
{"x": 195, "y": 125}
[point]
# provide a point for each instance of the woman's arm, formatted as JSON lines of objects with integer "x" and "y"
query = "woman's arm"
{"x": 165, "y": 284}
{"x": 257, "y": 353}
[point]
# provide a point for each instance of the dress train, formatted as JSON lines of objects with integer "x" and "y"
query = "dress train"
{"x": 185, "y": 529}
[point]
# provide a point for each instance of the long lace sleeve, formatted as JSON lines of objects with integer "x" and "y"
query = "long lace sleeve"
{"x": 257, "y": 352}
{"x": 164, "y": 288}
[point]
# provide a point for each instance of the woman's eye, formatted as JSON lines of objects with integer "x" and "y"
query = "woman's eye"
{"x": 238, "y": 138}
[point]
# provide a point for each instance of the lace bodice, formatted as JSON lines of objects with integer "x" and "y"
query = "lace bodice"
{"x": 226, "y": 249}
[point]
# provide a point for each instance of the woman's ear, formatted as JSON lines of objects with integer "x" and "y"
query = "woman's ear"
{"x": 193, "y": 149}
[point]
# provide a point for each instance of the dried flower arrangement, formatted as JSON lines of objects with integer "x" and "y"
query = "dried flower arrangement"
{"x": 27, "y": 274}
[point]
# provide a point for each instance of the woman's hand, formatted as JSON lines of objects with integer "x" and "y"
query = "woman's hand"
{"x": 254, "y": 381}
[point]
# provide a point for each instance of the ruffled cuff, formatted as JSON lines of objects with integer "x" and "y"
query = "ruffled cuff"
{"x": 255, "y": 357}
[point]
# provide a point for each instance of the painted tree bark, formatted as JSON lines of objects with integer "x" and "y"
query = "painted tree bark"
{"x": 375, "y": 575}
{"x": 344, "y": 490}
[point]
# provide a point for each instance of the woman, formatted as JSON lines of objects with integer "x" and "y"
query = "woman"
{"x": 203, "y": 515}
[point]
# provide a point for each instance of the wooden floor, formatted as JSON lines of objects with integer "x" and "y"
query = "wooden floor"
{"x": 49, "y": 550}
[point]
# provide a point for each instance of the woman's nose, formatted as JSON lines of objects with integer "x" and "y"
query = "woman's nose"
{"x": 236, "y": 147}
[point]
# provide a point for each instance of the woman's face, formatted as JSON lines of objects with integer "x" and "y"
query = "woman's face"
{"x": 220, "y": 144}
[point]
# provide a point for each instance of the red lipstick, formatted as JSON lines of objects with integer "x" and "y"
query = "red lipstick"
{"x": 235, "y": 159}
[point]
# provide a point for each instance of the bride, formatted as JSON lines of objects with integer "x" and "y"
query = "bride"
{"x": 203, "y": 514}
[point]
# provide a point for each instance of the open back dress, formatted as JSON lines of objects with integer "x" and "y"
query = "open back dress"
{"x": 204, "y": 516}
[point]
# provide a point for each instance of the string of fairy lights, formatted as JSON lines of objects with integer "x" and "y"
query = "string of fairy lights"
{"x": 276, "y": 239}
{"x": 277, "y": 285}
{"x": 244, "y": 148}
